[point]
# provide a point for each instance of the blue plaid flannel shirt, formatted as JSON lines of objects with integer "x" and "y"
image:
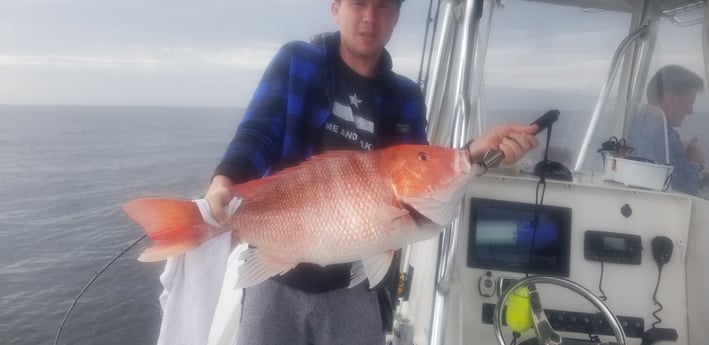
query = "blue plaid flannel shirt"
{"x": 287, "y": 113}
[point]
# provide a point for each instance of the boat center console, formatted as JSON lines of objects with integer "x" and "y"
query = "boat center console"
{"x": 612, "y": 241}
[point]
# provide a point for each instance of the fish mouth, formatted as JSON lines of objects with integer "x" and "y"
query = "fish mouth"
{"x": 463, "y": 162}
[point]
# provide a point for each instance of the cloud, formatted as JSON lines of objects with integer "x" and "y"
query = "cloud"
{"x": 177, "y": 52}
{"x": 559, "y": 72}
{"x": 254, "y": 57}
{"x": 140, "y": 77}
{"x": 570, "y": 55}
{"x": 67, "y": 61}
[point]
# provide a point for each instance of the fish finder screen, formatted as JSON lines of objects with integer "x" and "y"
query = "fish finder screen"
{"x": 503, "y": 237}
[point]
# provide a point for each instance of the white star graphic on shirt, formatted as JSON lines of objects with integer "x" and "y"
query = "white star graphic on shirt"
{"x": 354, "y": 100}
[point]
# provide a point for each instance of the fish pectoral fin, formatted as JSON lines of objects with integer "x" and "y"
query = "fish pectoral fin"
{"x": 388, "y": 213}
{"x": 438, "y": 211}
{"x": 259, "y": 266}
{"x": 373, "y": 268}
{"x": 357, "y": 274}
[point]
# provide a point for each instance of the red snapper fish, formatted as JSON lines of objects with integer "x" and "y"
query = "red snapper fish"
{"x": 337, "y": 207}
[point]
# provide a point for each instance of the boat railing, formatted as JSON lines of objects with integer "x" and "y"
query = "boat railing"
{"x": 675, "y": 14}
{"x": 605, "y": 91}
{"x": 457, "y": 130}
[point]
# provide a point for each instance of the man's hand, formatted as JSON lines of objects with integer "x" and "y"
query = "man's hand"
{"x": 513, "y": 140}
{"x": 218, "y": 196}
{"x": 694, "y": 152}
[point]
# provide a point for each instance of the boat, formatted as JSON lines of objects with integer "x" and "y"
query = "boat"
{"x": 611, "y": 257}
{"x": 578, "y": 243}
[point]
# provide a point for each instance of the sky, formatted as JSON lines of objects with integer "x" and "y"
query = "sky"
{"x": 213, "y": 52}
{"x": 160, "y": 52}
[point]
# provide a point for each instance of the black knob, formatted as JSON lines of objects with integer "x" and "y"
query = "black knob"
{"x": 626, "y": 211}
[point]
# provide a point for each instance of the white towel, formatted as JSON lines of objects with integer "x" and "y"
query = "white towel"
{"x": 227, "y": 315}
{"x": 199, "y": 302}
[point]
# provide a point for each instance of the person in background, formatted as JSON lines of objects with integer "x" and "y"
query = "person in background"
{"x": 336, "y": 93}
{"x": 671, "y": 94}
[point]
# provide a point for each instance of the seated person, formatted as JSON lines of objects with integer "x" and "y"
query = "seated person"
{"x": 670, "y": 98}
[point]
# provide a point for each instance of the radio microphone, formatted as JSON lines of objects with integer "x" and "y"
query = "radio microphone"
{"x": 493, "y": 157}
{"x": 546, "y": 120}
{"x": 662, "y": 250}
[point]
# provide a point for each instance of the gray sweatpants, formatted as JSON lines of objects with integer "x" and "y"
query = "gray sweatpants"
{"x": 275, "y": 314}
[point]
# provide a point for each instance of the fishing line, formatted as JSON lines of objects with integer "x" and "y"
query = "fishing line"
{"x": 98, "y": 273}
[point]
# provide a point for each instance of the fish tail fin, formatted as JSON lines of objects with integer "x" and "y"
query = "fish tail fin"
{"x": 174, "y": 225}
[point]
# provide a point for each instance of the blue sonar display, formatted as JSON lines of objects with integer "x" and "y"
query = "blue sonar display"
{"x": 502, "y": 236}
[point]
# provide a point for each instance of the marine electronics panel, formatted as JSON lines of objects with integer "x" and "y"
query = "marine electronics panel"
{"x": 605, "y": 239}
{"x": 519, "y": 237}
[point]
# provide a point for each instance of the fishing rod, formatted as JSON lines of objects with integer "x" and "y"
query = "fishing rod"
{"x": 98, "y": 273}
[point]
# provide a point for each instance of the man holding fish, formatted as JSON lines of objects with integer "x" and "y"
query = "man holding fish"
{"x": 342, "y": 142}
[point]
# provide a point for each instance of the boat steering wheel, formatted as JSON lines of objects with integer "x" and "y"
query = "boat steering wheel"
{"x": 545, "y": 334}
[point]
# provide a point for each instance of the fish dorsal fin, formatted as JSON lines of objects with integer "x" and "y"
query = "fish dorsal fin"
{"x": 253, "y": 187}
{"x": 259, "y": 266}
{"x": 373, "y": 268}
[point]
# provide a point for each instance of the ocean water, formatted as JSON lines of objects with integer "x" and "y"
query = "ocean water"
{"x": 64, "y": 173}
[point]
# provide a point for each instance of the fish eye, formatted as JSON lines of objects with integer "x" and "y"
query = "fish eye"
{"x": 423, "y": 156}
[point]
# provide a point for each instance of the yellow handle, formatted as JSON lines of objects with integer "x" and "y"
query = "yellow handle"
{"x": 519, "y": 312}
